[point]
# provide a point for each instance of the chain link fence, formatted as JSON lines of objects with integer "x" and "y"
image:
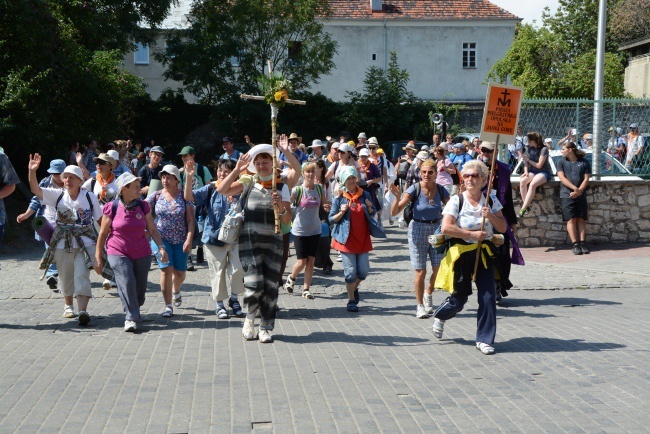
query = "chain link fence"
{"x": 555, "y": 118}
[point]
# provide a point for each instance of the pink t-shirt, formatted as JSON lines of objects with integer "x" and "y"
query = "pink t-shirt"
{"x": 128, "y": 237}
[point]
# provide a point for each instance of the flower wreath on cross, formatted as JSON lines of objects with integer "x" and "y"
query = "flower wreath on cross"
{"x": 276, "y": 89}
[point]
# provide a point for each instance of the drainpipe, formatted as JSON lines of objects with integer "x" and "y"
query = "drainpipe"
{"x": 385, "y": 47}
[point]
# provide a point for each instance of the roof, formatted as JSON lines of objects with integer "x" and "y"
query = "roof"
{"x": 391, "y": 9}
{"x": 421, "y": 9}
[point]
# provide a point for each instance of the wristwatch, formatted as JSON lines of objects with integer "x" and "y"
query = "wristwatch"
{"x": 282, "y": 213}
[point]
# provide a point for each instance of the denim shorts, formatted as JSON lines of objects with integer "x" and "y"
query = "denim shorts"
{"x": 176, "y": 257}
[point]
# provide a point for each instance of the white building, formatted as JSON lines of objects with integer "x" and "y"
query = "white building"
{"x": 448, "y": 47}
{"x": 637, "y": 72}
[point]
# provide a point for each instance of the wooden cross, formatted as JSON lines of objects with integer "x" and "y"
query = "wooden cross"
{"x": 274, "y": 123}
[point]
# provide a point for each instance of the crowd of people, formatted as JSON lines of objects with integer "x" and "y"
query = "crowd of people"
{"x": 114, "y": 210}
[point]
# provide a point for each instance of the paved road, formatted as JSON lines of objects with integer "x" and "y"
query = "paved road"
{"x": 572, "y": 357}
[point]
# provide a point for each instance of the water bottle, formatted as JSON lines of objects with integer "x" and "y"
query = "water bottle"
{"x": 159, "y": 258}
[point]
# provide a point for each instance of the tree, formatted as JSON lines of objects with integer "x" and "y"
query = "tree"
{"x": 629, "y": 20}
{"x": 61, "y": 75}
{"x": 229, "y": 43}
{"x": 384, "y": 105}
{"x": 558, "y": 60}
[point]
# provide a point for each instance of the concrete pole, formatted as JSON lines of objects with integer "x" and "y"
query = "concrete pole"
{"x": 598, "y": 91}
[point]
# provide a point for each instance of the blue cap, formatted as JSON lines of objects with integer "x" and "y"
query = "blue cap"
{"x": 56, "y": 166}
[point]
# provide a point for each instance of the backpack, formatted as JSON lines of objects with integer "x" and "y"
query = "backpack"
{"x": 90, "y": 202}
{"x": 408, "y": 210}
{"x": 116, "y": 202}
{"x": 299, "y": 192}
{"x": 403, "y": 169}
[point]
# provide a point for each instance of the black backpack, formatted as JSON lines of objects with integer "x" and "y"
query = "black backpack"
{"x": 408, "y": 210}
{"x": 402, "y": 169}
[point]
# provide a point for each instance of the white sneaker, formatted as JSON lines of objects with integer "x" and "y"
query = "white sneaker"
{"x": 420, "y": 312}
{"x": 130, "y": 326}
{"x": 339, "y": 258}
{"x": 428, "y": 302}
{"x": 248, "y": 331}
{"x": 438, "y": 327}
{"x": 68, "y": 312}
{"x": 486, "y": 349}
{"x": 265, "y": 337}
{"x": 106, "y": 286}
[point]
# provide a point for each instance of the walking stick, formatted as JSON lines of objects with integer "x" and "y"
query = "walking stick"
{"x": 487, "y": 197}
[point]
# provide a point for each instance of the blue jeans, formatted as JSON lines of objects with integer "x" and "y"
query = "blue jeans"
{"x": 486, "y": 318}
{"x": 355, "y": 266}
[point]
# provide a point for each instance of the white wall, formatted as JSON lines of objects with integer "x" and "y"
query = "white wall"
{"x": 637, "y": 77}
{"x": 430, "y": 51}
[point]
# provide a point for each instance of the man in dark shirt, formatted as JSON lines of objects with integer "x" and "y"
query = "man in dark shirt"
{"x": 151, "y": 170}
{"x": 574, "y": 171}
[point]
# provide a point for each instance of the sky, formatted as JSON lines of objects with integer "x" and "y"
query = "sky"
{"x": 529, "y": 10}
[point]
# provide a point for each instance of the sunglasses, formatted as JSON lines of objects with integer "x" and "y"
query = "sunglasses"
{"x": 471, "y": 175}
{"x": 486, "y": 150}
{"x": 101, "y": 163}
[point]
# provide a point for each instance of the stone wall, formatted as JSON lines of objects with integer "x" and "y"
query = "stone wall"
{"x": 618, "y": 212}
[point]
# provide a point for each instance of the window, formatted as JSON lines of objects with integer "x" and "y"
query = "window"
{"x": 141, "y": 56}
{"x": 374, "y": 56}
{"x": 469, "y": 54}
{"x": 295, "y": 53}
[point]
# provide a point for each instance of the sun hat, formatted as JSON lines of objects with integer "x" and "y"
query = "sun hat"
{"x": 424, "y": 148}
{"x": 125, "y": 179}
{"x": 411, "y": 146}
{"x": 317, "y": 144}
{"x": 56, "y": 167}
{"x": 157, "y": 149}
{"x": 336, "y": 145}
{"x": 187, "y": 150}
{"x": 422, "y": 155}
{"x": 487, "y": 145}
{"x": 459, "y": 146}
{"x": 361, "y": 136}
{"x": 294, "y": 136}
{"x": 345, "y": 147}
{"x": 634, "y": 126}
{"x": 373, "y": 141}
{"x": 345, "y": 173}
{"x": 260, "y": 149}
{"x": 364, "y": 153}
{"x": 106, "y": 158}
{"x": 170, "y": 169}
{"x": 73, "y": 170}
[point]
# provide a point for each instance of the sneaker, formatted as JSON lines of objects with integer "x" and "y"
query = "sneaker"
{"x": 288, "y": 285}
{"x": 420, "y": 312}
{"x": 576, "y": 249}
{"x": 199, "y": 255}
{"x": 168, "y": 312}
{"x": 236, "y": 307}
{"x": 352, "y": 306}
{"x": 248, "y": 331}
{"x": 106, "y": 286}
{"x": 222, "y": 313}
{"x": 68, "y": 312}
{"x": 52, "y": 281}
{"x": 84, "y": 318}
{"x": 428, "y": 302}
{"x": 438, "y": 327}
{"x": 339, "y": 258}
{"x": 583, "y": 248}
{"x": 265, "y": 337}
{"x": 190, "y": 264}
{"x": 486, "y": 349}
{"x": 178, "y": 300}
{"x": 523, "y": 211}
{"x": 130, "y": 326}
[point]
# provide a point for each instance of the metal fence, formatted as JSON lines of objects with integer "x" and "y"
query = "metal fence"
{"x": 554, "y": 118}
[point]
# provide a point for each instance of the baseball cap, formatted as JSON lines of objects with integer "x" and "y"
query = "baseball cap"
{"x": 227, "y": 139}
{"x": 634, "y": 126}
{"x": 487, "y": 145}
{"x": 548, "y": 140}
{"x": 157, "y": 149}
{"x": 187, "y": 150}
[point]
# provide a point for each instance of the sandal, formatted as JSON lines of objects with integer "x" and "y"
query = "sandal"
{"x": 288, "y": 285}
{"x": 168, "y": 312}
{"x": 222, "y": 313}
{"x": 236, "y": 307}
{"x": 523, "y": 211}
{"x": 486, "y": 349}
{"x": 307, "y": 294}
{"x": 177, "y": 298}
{"x": 248, "y": 331}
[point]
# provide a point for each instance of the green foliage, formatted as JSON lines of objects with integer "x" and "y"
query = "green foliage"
{"x": 385, "y": 105}
{"x": 557, "y": 60}
{"x": 230, "y": 41}
{"x": 61, "y": 71}
{"x": 275, "y": 88}
{"x": 629, "y": 20}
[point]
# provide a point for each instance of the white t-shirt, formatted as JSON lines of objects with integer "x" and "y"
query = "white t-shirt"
{"x": 632, "y": 147}
{"x": 471, "y": 217}
{"x": 111, "y": 189}
{"x": 73, "y": 212}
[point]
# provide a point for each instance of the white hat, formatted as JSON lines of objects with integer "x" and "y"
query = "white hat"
{"x": 373, "y": 141}
{"x": 364, "y": 152}
{"x": 548, "y": 140}
{"x": 317, "y": 144}
{"x": 423, "y": 155}
{"x": 73, "y": 170}
{"x": 260, "y": 149}
{"x": 574, "y": 132}
{"x": 424, "y": 148}
{"x": 344, "y": 147}
{"x": 125, "y": 179}
{"x": 170, "y": 169}
{"x": 116, "y": 156}
{"x": 336, "y": 145}
{"x": 361, "y": 136}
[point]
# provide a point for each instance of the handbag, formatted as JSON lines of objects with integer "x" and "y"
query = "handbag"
{"x": 232, "y": 223}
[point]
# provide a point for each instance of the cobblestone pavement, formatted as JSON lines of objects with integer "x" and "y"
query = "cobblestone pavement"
{"x": 570, "y": 358}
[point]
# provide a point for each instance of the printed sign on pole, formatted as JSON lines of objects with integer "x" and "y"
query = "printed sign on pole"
{"x": 501, "y": 114}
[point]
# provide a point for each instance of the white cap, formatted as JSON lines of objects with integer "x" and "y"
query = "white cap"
{"x": 548, "y": 140}
{"x": 170, "y": 169}
{"x": 361, "y": 136}
{"x": 364, "y": 152}
{"x": 73, "y": 170}
{"x": 113, "y": 153}
{"x": 336, "y": 145}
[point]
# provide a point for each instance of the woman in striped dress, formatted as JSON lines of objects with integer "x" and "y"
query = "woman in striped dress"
{"x": 260, "y": 248}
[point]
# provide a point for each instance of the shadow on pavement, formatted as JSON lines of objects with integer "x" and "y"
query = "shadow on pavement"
{"x": 558, "y": 301}
{"x": 553, "y": 345}
{"x": 377, "y": 340}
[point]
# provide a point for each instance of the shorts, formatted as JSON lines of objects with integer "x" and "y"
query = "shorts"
{"x": 575, "y": 208}
{"x": 176, "y": 257}
{"x": 306, "y": 246}
{"x": 419, "y": 248}
{"x": 546, "y": 175}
